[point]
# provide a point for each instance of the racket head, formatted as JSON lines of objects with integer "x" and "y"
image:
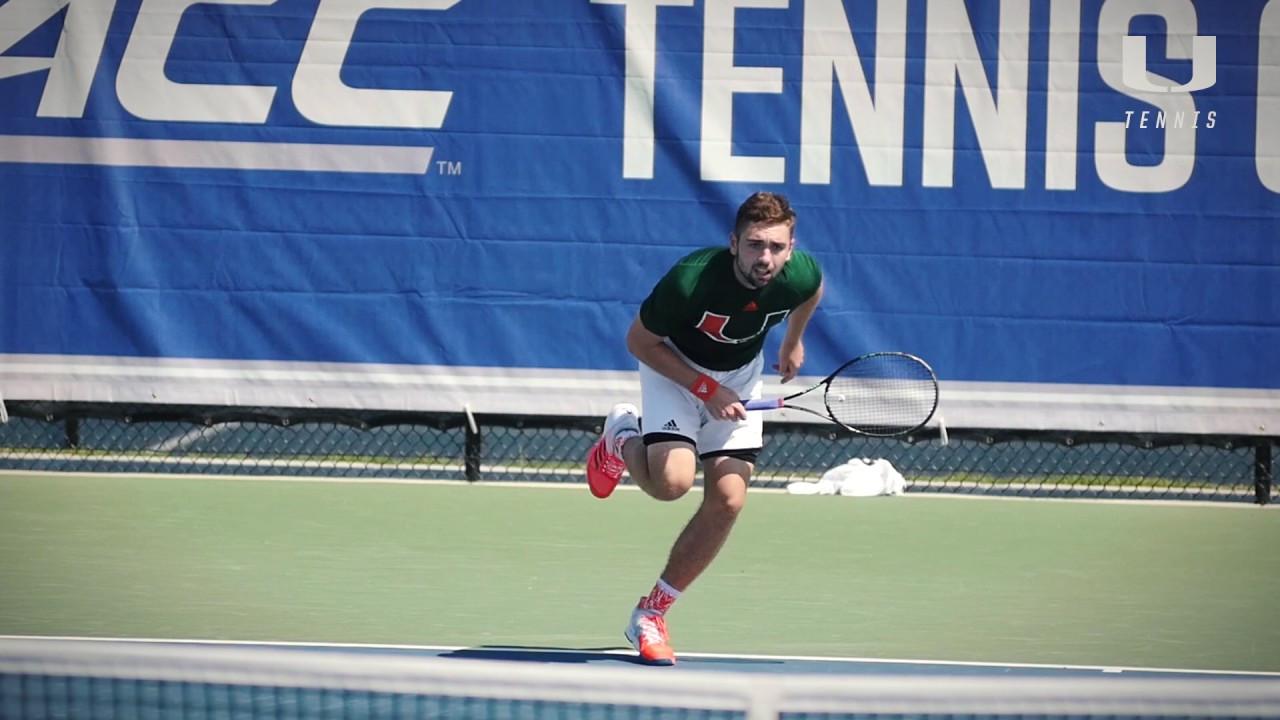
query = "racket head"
{"x": 882, "y": 394}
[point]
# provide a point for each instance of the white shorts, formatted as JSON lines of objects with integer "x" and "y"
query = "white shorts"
{"x": 669, "y": 409}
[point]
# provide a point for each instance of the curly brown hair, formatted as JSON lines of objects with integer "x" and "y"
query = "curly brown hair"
{"x": 765, "y": 207}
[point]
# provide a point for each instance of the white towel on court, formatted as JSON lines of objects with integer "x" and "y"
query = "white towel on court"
{"x": 859, "y": 477}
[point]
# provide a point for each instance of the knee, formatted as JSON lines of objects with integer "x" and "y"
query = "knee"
{"x": 728, "y": 506}
{"x": 671, "y": 471}
{"x": 671, "y": 487}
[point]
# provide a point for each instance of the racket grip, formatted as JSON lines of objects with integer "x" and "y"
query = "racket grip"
{"x": 763, "y": 404}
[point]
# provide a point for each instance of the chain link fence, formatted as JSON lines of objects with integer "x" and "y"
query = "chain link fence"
{"x": 43, "y": 436}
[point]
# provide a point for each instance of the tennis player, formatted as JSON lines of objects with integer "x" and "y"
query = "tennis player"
{"x": 699, "y": 337}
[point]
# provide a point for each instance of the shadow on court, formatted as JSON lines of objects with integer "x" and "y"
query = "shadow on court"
{"x": 581, "y": 656}
{"x": 567, "y": 656}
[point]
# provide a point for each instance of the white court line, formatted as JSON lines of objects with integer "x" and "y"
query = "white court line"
{"x": 620, "y": 651}
{"x": 577, "y": 486}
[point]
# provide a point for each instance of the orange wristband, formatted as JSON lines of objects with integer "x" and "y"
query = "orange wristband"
{"x": 704, "y": 387}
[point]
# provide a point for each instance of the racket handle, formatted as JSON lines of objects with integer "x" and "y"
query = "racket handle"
{"x": 763, "y": 404}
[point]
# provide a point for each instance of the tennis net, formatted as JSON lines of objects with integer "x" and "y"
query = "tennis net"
{"x": 111, "y": 679}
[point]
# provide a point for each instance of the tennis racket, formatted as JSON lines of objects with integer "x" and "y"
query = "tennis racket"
{"x": 882, "y": 394}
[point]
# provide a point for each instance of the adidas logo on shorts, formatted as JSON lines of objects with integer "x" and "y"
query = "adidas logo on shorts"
{"x": 671, "y": 425}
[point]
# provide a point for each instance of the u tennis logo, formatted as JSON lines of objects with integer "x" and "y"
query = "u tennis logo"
{"x": 1204, "y": 65}
{"x": 713, "y": 325}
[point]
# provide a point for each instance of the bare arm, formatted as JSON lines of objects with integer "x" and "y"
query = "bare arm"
{"x": 651, "y": 350}
{"x": 791, "y": 354}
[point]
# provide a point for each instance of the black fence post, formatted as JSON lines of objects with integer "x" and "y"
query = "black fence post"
{"x": 72, "y": 429}
{"x": 1262, "y": 472}
{"x": 472, "y": 448}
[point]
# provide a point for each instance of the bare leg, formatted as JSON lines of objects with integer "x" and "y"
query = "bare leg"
{"x": 668, "y": 474}
{"x": 706, "y": 532}
{"x": 664, "y": 470}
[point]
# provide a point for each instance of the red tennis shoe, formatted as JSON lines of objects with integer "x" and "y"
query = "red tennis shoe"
{"x": 647, "y": 633}
{"x": 604, "y": 461}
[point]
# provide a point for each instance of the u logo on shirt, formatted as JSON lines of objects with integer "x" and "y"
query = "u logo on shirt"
{"x": 713, "y": 325}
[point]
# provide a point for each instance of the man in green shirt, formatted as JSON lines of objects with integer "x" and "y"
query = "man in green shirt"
{"x": 699, "y": 337}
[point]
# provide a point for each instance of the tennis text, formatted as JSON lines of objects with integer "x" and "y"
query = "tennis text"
{"x": 999, "y": 114}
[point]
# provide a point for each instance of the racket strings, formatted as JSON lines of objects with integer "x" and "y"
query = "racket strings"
{"x": 883, "y": 395}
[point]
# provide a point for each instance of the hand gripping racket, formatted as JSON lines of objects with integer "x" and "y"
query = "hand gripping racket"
{"x": 881, "y": 394}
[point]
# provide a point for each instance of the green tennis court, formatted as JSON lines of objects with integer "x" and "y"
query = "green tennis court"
{"x": 1136, "y": 584}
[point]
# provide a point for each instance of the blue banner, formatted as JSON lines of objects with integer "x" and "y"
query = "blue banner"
{"x": 1075, "y": 191}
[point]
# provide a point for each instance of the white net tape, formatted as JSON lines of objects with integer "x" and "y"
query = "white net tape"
{"x": 753, "y": 695}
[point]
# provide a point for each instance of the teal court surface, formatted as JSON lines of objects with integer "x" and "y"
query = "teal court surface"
{"x": 541, "y": 579}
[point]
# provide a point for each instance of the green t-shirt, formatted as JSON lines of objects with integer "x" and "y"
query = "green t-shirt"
{"x": 715, "y": 320}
